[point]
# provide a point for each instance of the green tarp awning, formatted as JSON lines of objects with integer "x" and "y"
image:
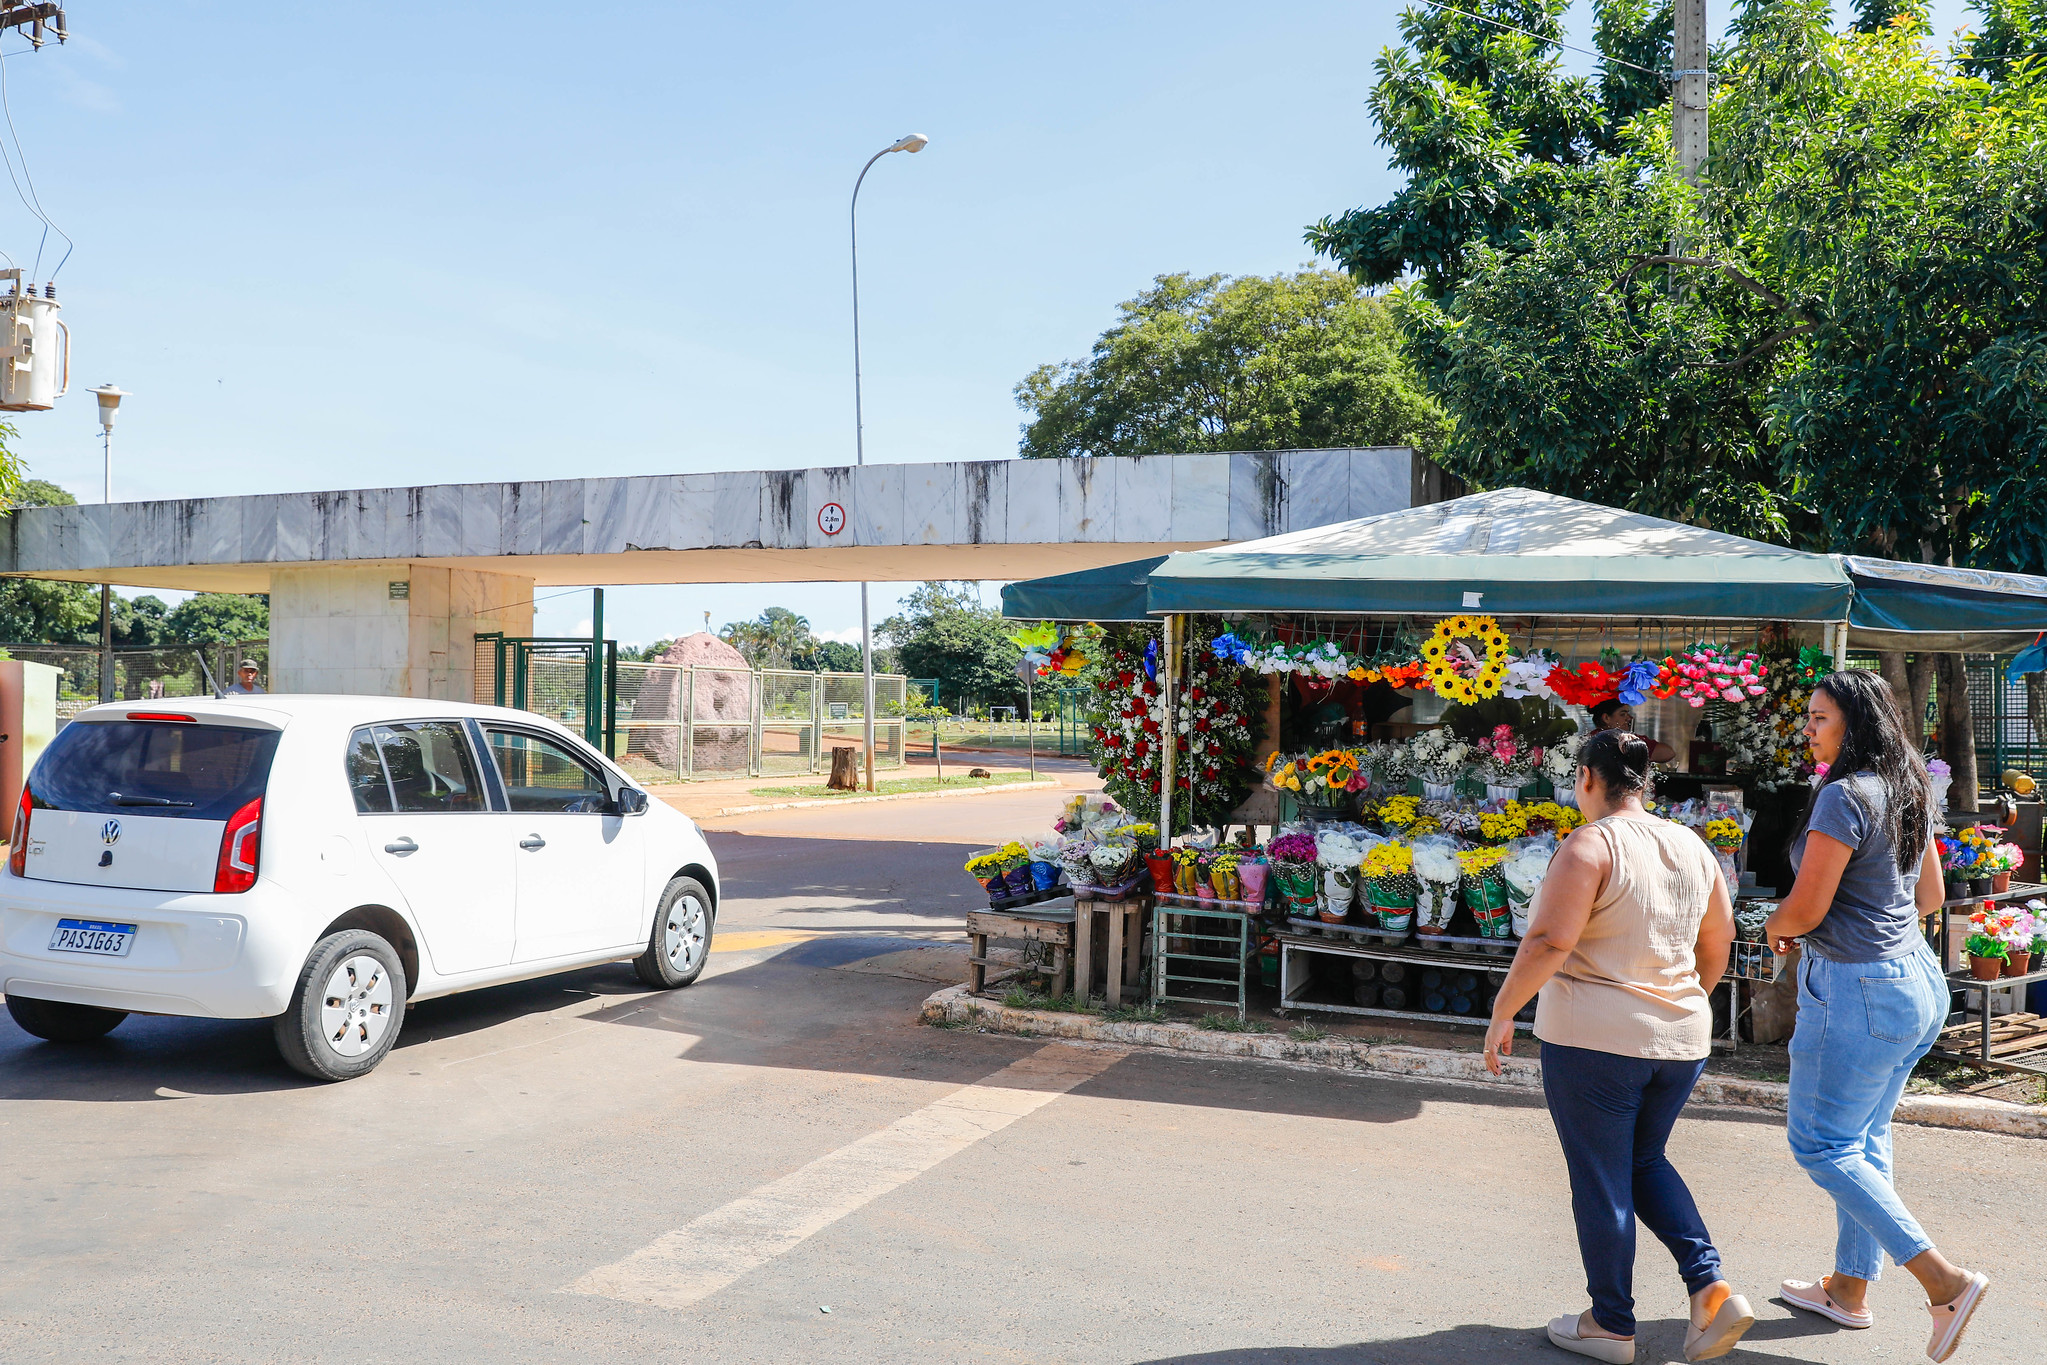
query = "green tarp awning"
{"x": 1517, "y": 552}
{"x": 1113, "y": 593}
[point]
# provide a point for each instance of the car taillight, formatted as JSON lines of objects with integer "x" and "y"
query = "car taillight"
{"x": 17, "y": 853}
{"x": 239, "y": 845}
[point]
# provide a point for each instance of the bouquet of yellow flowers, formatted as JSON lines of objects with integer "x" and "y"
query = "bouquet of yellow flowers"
{"x": 1398, "y": 813}
{"x": 1390, "y": 885}
{"x": 1484, "y": 883}
{"x": 1724, "y": 835}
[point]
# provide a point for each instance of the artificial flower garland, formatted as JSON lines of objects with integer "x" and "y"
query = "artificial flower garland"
{"x": 1441, "y": 656}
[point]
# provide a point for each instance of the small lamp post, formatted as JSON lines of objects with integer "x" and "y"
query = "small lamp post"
{"x": 110, "y": 403}
{"x": 913, "y": 142}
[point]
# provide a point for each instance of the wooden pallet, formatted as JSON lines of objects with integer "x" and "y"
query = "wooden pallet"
{"x": 2010, "y": 1034}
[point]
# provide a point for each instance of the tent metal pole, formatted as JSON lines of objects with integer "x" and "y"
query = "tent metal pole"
{"x": 1170, "y": 727}
{"x": 1840, "y": 649}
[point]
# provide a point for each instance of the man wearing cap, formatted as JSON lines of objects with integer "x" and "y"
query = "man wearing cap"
{"x": 245, "y": 684}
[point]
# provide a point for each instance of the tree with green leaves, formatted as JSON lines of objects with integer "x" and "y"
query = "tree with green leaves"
{"x": 771, "y": 640}
{"x": 222, "y": 618}
{"x": 1221, "y": 363}
{"x": 944, "y": 631}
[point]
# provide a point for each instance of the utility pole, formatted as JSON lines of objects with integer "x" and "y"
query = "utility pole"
{"x": 1688, "y": 87}
{"x": 110, "y": 403}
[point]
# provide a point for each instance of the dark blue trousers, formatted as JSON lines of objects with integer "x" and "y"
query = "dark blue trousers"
{"x": 1613, "y": 1115}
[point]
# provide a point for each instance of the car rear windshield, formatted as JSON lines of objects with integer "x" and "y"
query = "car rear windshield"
{"x": 158, "y": 768}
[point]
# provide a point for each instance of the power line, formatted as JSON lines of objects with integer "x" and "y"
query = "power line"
{"x": 31, "y": 201}
{"x": 1545, "y": 38}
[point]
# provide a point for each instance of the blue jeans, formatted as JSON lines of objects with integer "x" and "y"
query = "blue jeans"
{"x": 1613, "y": 1115}
{"x": 1861, "y": 1028}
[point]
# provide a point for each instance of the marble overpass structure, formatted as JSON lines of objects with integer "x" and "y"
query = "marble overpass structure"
{"x": 382, "y": 590}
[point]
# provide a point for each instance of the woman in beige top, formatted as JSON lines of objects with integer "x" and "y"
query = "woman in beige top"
{"x": 1632, "y": 920}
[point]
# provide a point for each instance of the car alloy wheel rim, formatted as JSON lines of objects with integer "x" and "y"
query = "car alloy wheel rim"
{"x": 355, "y": 1009}
{"x": 682, "y": 937}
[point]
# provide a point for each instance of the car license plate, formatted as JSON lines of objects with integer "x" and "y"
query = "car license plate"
{"x": 98, "y": 936}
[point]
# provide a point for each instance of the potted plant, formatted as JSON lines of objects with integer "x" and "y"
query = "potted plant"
{"x": 1186, "y": 868}
{"x": 1439, "y": 758}
{"x": 2005, "y": 860}
{"x": 1292, "y": 858}
{"x": 1075, "y": 856}
{"x": 2018, "y": 929}
{"x": 1484, "y": 883}
{"x": 1204, "y": 865}
{"x": 1044, "y": 864}
{"x": 1224, "y": 874}
{"x": 1016, "y": 867}
{"x": 1985, "y": 947}
{"x": 1435, "y": 867}
{"x": 1391, "y": 887}
{"x": 1160, "y": 864}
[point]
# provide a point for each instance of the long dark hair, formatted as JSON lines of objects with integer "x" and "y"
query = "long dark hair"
{"x": 1874, "y": 742}
{"x": 1619, "y": 760}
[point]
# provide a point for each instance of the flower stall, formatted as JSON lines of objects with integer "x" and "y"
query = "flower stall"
{"x": 1407, "y": 694}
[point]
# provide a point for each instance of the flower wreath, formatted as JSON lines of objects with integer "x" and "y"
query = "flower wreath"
{"x": 1439, "y": 653}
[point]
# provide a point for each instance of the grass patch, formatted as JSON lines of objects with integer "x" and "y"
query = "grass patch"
{"x": 1229, "y": 1023}
{"x": 889, "y": 786}
{"x": 1135, "y": 1014}
{"x": 1307, "y": 1033}
{"x": 1021, "y": 999}
{"x": 952, "y": 1023}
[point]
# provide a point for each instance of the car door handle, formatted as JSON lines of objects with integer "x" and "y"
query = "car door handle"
{"x": 533, "y": 841}
{"x": 402, "y": 844}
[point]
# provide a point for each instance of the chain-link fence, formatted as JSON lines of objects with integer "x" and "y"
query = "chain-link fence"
{"x": 677, "y": 722}
{"x": 140, "y": 674}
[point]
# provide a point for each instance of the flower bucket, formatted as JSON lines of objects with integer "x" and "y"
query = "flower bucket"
{"x": 1325, "y": 813}
{"x": 1986, "y": 968}
{"x": 1496, "y": 792}
{"x": 1435, "y": 906}
{"x": 1296, "y": 885}
{"x": 1161, "y": 867}
{"x": 2017, "y": 963}
{"x": 2000, "y": 882}
{"x": 1957, "y": 890}
{"x": 1486, "y": 897}
{"x": 1252, "y": 875}
{"x": 1439, "y": 791}
{"x": 1268, "y": 969}
{"x": 1044, "y": 876}
{"x": 1517, "y": 912}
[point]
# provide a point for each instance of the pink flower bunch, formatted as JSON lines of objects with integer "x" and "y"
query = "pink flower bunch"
{"x": 1292, "y": 848}
{"x": 1502, "y": 745}
{"x": 1705, "y": 674}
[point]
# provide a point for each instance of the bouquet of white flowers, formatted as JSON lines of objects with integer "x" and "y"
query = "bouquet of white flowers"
{"x": 1560, "y": 766}
{"x": 1439, "y": 757}
{"x": 1527, "y": 864}
{"x": 1435, "y": 864}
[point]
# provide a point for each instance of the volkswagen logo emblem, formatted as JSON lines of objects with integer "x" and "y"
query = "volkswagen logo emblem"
{"x": 110, "y": 832}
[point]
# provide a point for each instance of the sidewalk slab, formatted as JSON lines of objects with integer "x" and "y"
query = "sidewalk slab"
{"x": 954, "y": 1005}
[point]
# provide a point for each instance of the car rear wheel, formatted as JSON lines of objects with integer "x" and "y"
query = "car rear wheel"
{"x": 58, "y": 1022}
{"x": 347, "y": 1009}
{"x": 681, "y": 940}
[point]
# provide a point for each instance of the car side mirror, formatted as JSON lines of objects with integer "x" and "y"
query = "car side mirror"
{"x": 631, "y": 801}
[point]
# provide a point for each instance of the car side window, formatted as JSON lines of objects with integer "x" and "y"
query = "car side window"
{"x": 367, "y": 782}
{"x": 430, "y": 766}
{"x": 541, "y": 775}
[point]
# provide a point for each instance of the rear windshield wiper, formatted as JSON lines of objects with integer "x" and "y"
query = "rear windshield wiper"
{"x": 121, "y": 800}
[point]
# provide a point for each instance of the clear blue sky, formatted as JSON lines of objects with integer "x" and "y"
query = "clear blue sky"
{"x": 336, "y": 246}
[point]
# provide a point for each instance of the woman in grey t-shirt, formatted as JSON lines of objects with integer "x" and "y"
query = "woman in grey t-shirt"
{"x": 1871, "y": 997}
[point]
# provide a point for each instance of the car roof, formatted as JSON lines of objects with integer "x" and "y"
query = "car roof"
{"x": 329, "y": 708}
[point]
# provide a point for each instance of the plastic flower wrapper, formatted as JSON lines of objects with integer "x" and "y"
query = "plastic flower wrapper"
{"x": 1397, "y": 813}
{"x": 1526, "y": 865}
{"x": 1297, "y": 849}
{"x": 1390, "y": 884}
{"x": 1724, "y": 835}
{"x": 1112, "y": 862}
{"x": 1044, "y": 850}
{"x": 1435, "y": 864}
{"x": 1390, "y": 764}
{"x": 1338, "y": 855}
{"x": 1076, "y": 856}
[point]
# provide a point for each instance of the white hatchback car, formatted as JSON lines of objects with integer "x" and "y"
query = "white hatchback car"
{"x": 323, "y": 860}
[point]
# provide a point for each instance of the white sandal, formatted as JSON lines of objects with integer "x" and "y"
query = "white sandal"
{"x": 1951, "y": 1319}
{"x": 1563, "y": 1332}
{"x": 1813, "y": 1298}
{"x": 1733, "y": 1318}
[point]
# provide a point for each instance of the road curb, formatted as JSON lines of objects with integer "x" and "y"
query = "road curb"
{"x": 953, "y": 1005}
{"x": 883, "y": 796}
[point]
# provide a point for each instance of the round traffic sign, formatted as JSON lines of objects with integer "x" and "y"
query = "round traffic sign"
{"x": 831, "y": 518}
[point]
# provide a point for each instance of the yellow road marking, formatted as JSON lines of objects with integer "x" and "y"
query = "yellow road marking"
{"x": 758, "y": 938}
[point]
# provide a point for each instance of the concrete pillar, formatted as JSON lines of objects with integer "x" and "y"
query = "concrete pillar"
{"x": 393, "y": 629}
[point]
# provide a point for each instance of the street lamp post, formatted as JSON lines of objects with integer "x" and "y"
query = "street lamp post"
{"x": 110, "y": 402}
{"x": 915, "y": 142}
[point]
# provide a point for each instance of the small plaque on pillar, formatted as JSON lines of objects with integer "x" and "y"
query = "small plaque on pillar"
{"x": 400, "y": 589}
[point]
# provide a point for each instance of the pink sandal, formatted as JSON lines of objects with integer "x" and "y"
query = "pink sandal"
{"x": 1813, "y": 1298}
{"x": 1951, "y": 1319}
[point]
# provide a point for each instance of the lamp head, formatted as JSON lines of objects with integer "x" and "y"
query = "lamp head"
{"x": 110, "y": 402}
{"x": 914, "y": 142}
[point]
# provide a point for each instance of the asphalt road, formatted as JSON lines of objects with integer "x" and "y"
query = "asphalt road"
{"x": 782, "y": 1138}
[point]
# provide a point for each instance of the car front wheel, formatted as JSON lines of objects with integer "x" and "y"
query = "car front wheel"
{"x": 681, "y": 940}
{"x": 57, "y": 1022}
{"x": 347, "y": 1009}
